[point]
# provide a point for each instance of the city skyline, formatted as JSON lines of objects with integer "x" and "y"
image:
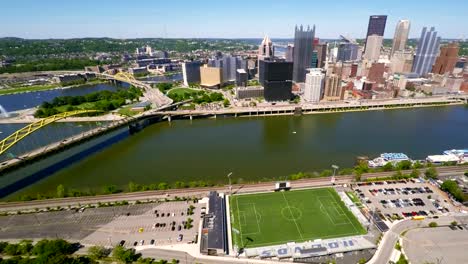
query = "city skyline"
{"x": 184, "y": 19}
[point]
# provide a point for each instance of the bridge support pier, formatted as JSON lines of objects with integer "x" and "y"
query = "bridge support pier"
{"x": 215, "y": 116}
{"x": 191, "y": 117}
{"x": 169, "y": 119}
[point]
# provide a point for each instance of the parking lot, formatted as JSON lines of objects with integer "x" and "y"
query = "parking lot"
{"x": 165, "y": 223}
{"x": 437, "y": 245}
{"x": 402, "y": 199}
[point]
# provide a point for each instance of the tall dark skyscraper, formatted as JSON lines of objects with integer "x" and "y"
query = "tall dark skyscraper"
{"x": 275, "y": 76}
{"x": 303, "y": 47}
{"x": 376, "y": 26}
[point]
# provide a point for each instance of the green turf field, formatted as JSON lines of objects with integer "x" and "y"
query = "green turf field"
{"x": 276, "y": 218}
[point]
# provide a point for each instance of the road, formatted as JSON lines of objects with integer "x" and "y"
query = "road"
{"x": 190, "y": 192}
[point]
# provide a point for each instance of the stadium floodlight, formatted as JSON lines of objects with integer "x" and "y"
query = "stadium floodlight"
{"x": 230, "y": 185}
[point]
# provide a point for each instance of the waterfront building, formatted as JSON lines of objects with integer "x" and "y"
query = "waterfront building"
{"x": 447, "y": 59}
{"x": 426, "y": 51}
{"x": 138, "y": 70}
{"x": 289, "y": 53}
{"x": 69, "y": 79}
{"x": 453, "y": 84}
{"x": 303, "y": 47}
{"x": 276, "y": 78}
{"x": 321, "y": 54}
{"x": 191, "y": 72}
{"x": 347, "y": 52}
{"x": 241, "y": 77}
{"x": 376, "y": 26}
{"x": 314, "y": 84}
{"x": 401, "y": 62}
{"x": 249, "y": 92}
{"x": 373, "y": 46}
{"x": 211, "y": 77}
{"x": 346, "y": 68}
{"x": 401, "y": 36}
{"x": 333, "y": 90}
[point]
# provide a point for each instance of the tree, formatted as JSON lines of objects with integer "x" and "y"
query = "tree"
{"x": 98, "y": 252}
{"x": 415, "y": 173}
{"x": 404, "y": 165}
{"x": 163, "y": 186}
{"x": 133, "y": 187}
{"x": 433, "y": 224}
{"x": 326, "y": 173}
{"x": 125, "y": 255}
{"x": 179, "y": 185}
{"x": 357, "y": 176}
{"x": 388, "y": 167}
{"x": 226, "y": 103}
{"x": 417, "y": 165}
{"x": 109, "y": 189}
{"x": 61, "y": 192}
{"x": 454, "y": 223}
{"x": 466, "y": 173}
{"x": 431, "y": 173}
{"x": 11, "y": 250}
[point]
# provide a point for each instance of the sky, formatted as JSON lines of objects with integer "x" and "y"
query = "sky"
{"x": 223, "y": 18}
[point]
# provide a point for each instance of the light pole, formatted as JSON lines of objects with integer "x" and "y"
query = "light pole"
{"x": 230, "y": 185}
{"x": 335, "y": 167}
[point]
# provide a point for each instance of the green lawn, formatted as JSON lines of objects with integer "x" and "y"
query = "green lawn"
{"x": 282, "y": 217}
{"x": 181, "y": 91}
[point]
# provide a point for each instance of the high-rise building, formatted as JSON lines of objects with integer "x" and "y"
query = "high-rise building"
{"x": 347, "y": 52}
{"x": 373, "y": 46}
{"x": 426, "y": 51}
{"x": 303, "y": 47}
{"x": 401, "y": 62}
{"x": 229, "y": 65}
{"x": 266, "y": 51}
{"x": 321, "y": 54}
{"x": 314, "y": 59}
{"x": 333, "y": 90}
{"x": 241, "y": 78}
{"x": 376, "y": 27}
{"x": 447, "y": 59}
{"x": 289, "y": 53}
{"x": 211, "y": 77}
{"x": 191, "y": 72}
{"x": 313, "y": 87}
{"x": 276, "y": 76}
{"x": 401, "y": 36}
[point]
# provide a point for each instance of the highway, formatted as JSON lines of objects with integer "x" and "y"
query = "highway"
{"x": 198, "y": 192}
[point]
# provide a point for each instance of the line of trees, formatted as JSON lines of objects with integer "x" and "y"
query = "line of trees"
{"x": 101, "y": 100}
{"x": 61, "y": 251}
{"x": 452, "y": 187}
{"x": 49, "y": 64}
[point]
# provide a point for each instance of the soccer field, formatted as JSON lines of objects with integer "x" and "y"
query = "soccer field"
{"x": 266, "y": 219}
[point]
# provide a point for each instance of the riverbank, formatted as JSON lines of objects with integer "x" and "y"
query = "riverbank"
{"x": 37, "y": 88}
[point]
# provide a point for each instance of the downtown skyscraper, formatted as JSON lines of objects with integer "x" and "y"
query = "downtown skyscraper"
{"x": 426, "y": 51}
{"x": 401, "y": 36}
{"x": 376, "y": 27}
{"x": 303, "y": 48}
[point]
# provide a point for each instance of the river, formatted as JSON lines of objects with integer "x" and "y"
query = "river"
{"x": 259, "y": 148}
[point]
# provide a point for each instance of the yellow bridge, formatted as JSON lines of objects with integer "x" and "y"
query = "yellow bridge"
{"x": 18, "y": 135}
